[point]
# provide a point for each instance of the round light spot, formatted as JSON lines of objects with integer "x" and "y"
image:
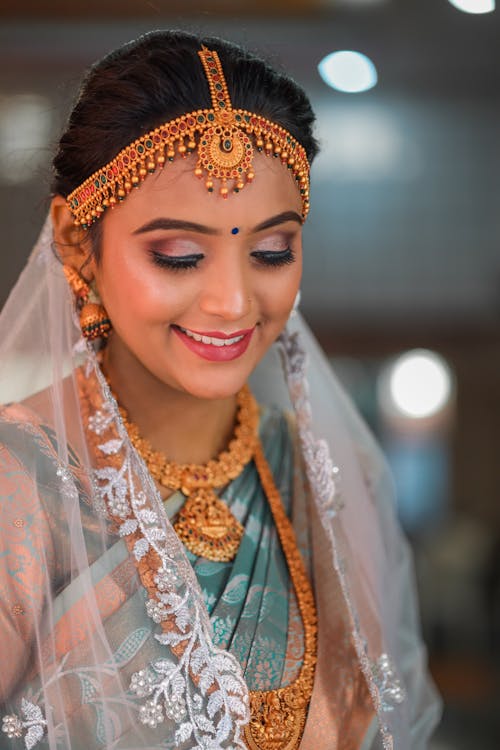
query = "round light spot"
{"x": 417, "y": 385}
{"x": 348, "y": 71}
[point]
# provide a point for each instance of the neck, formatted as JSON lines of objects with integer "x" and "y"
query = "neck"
{"x": 169, "y": 418}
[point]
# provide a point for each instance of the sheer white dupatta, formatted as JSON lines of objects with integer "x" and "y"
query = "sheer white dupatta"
{"x": 80, "y": 668}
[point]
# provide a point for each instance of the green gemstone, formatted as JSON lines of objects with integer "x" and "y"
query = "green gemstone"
{"x": 97, "y": 183}
{"x": 201, "y": 118}
{"x": 211, "y": 117}
{"x": 247, "y": 118}
{"x": 218, "y": 87}
{"x": 149, "y": 144}
{"x": 103, "y": 179}
{"x": 140, "y": 149}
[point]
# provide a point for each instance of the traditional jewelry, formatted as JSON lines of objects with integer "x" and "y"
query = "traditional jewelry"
{"x": 205, "y": 524}
{"x": 235, "y": 230}
{"x": 223, "y": 138}
{"x": 94, "y": 320}
{"x": 278, "y": 716}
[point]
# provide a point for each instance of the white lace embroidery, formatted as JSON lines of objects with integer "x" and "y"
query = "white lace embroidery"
{"x": 390, "y": 689}
{"x": 32, "y": 728}
{"x": 202, "y": 690}
{"x": 323, "y": 476}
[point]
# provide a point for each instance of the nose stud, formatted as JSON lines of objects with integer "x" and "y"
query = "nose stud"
{"x": 235, "y": 230}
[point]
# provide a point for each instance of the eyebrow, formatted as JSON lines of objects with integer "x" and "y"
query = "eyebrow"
{"x": 191, "y": 226}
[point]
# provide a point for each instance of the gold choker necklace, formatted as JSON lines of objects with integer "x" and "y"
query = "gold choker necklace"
{"x": 205, "y": 524}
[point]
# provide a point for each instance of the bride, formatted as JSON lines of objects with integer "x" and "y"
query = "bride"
{"x": 195, "y": 551}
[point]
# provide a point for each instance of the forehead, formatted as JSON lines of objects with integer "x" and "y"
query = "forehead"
{"x": 175, "y": 192}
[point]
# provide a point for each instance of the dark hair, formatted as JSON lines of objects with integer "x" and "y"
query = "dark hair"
{"x": 156, "y": 78}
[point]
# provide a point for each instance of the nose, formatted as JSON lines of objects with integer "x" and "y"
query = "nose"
{"x": 226, "y": 293}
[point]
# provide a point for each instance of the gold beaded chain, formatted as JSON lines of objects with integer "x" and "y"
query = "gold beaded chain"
{"x": 278, "y": 717}
{"x": 205, "y": 524}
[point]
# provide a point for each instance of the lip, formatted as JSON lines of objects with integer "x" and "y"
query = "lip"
{"x": 216, "y": 353}
{"x": 221, "y": 334}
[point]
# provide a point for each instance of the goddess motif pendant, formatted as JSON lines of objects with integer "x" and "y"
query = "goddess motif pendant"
{"x": 277, "y": 719}
{"x": 208, "y": 528}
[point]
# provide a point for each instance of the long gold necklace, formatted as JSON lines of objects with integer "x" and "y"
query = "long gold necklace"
{"x": 205, "y": 524}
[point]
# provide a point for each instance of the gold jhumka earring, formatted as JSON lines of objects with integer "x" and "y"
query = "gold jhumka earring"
{"x": 94, "y": 320}
{"x": 223, "y": 137}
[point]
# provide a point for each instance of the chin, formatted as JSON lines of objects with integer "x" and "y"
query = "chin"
{"x": 217, "y": 385}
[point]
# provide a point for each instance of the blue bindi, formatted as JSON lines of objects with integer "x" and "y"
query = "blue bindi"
{"x": 234, "y": 230}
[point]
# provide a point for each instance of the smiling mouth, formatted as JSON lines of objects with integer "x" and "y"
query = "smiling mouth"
{"x": 212, "y": 340}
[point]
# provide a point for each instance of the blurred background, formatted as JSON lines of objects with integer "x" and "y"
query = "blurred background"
{"x": 402, "y": 276}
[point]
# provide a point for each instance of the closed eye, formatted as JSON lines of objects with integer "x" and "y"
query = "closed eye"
{"x": 176, "y": 262}
{"x": 274, "y": 257}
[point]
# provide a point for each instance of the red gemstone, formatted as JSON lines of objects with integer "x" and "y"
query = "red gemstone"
{"x": 254, "y": 120}
{"x": 190, "y": 122}
{"x": 133, "y": 154}
{"x": 164, "y": 133}
{"x": 120, "y": 164}
{"x": 216, "y": 77}
{"x": 174, "y": 129}
{"x": 110, "y": 174}
{"x": 126, "y": 160}
{"x": 182, "y": 126}
{"x": 156, "y": 138}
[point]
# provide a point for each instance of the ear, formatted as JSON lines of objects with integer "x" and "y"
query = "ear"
{"x": 72, "y": 243}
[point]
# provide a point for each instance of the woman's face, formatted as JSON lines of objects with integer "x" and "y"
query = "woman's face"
{"x": 198, "y": 287}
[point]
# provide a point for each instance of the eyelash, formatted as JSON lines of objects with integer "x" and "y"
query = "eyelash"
{"x": 274, "y": 258}
{"x": 186, "y": 262}
{"x": 176, "y": 263}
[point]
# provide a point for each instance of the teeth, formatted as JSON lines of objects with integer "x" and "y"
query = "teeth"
{"x": 210, "y": 339}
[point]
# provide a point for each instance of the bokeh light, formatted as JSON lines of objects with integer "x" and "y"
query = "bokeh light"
{"x": 474, "y": 6}
{"x": 417, "y": 385}
{"x": 348, "y": 71}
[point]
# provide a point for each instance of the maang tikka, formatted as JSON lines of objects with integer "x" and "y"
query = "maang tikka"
{"x": 223, "y": 137}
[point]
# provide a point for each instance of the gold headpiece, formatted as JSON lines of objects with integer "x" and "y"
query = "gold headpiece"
{"x": 223, "y": 138}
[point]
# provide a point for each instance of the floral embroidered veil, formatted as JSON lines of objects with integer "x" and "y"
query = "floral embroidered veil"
{"x": 67, "y": 665}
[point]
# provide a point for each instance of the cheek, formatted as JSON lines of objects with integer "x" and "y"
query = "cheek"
{"x": 137, "y": 290}
{"x": 279, "y": 293}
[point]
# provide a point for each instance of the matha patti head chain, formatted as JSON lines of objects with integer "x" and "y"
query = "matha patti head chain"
{"x": 224, "y": 139}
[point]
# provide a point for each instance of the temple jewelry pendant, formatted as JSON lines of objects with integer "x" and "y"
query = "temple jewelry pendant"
{"x": 208, "y": 528}
{"x": 277, "y": 718}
